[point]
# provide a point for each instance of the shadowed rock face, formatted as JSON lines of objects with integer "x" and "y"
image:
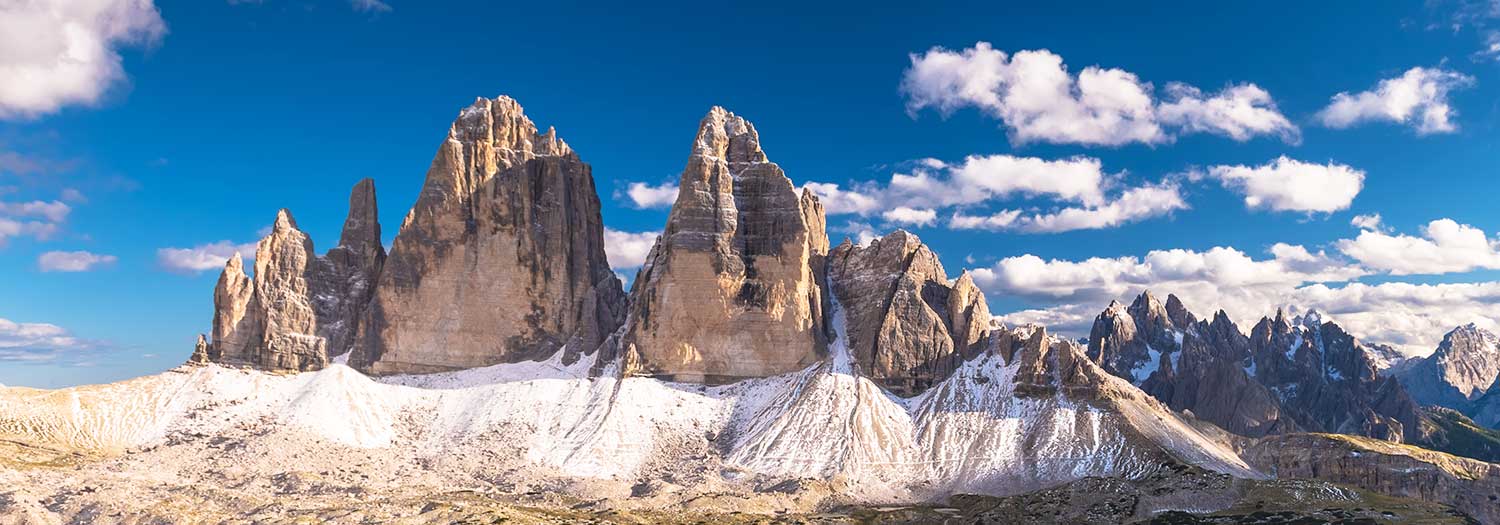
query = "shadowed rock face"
{"x": 346, "y": 275}
{"x": 732, "y": 289}
{"x": 300, "y": 309}
{"x": 1398, "y": 470}
{"x": 1288, "y": 375}
{"x": 1197, "y": 365}
{"x": 1326, "y": 381}
{"x": 500, "y": 260}
{"x": 908, "y": 327}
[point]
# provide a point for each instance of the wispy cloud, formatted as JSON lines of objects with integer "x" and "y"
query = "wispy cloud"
{"x": 43, "y": 343}
{"x": 77, "y": 261}
{"x": 203, "y": 257}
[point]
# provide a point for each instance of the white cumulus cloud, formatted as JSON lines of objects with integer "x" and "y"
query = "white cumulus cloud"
{"x": 1239, "y": 112}
{"x": 627, "y": 249}
{"x": 911, "y": 216}
{"x": 1444, "y": 247}
{"x": 1133, "y": 205}
{"x": 76, "y": 261}
{"x": 645, "y": 196}
{"x": 1419, "y": 98}
{"x": 203, "y": 257}
{"x": 1039, "y": 100}
{"x": 36, "y": 342}
{"x": 55, "y": 53}
{"x": 1291, "y": 185}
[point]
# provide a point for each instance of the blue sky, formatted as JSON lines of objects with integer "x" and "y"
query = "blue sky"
{"x": 219, "y": 113}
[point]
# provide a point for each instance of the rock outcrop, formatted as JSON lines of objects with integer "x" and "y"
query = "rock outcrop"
{"x": 732, "y": 289}
{"x": 300, "y": 309}
{"x": 908, "y": 326}
{"x": 1398, "y": 470}
{"x": 1464, "y": 368}
{"x": 501, "y": 259}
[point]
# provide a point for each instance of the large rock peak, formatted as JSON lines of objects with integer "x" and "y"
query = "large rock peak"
{"x": 501, "y": 259}
{"x": 1463, "y": 369}
{"x": 908, "y": 326}
{"x": 733, "y": 287}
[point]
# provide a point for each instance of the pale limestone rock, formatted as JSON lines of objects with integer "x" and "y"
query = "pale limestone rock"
{"x": 500, "y": 260}
{"x": 235, "y": 326}
{"x": 908, "y": 327}
{"x": 288, "y": 338}
{"x": 732, "y": 289}
{"x": 200, "y": 351}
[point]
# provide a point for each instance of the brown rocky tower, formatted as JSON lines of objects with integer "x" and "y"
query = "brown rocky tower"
{"x": 908, "y": 328}
{"x": 732, "y": 288}
{"x": 500, "y": 260}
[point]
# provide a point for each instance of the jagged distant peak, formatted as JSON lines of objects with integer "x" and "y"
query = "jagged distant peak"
{"x": 1311, "y": 319}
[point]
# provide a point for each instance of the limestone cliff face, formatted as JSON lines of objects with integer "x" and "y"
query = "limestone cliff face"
{"x": 732, "y": 288}
{"x": 300, "y": 309}
{"x": 500, "y": 260}
{"x": 283, "y": 300}
{"x": 908, "y": 327}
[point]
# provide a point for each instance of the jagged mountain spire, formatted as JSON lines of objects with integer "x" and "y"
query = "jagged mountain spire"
{"x": 733, "y": 287}
{"x": 501, "y": 259}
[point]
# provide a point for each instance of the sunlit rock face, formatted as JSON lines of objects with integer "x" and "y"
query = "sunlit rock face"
{"x": 269, "y": 321}
{"x": 733, "y": 287}
{"x": 1463, "y": 369}
{"x": 501, "y": 259}
{"x": 908, "y": 326}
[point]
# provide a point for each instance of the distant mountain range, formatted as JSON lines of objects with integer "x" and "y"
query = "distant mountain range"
{"x": 750, "y": 363}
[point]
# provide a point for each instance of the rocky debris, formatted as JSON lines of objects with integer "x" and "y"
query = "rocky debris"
{"x": 299, "y": 307}
{"x": 1202, "y": 366}
{"x": 1399, "y": 470}
{"x": 501, "y": 259}
{"x": 908, "y": 326}
{"x": 1464, "y": 368}
{"x": 732, "y": 289}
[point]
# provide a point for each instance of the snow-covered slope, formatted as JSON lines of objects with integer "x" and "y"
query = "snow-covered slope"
{"x": 985, "y": 429}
